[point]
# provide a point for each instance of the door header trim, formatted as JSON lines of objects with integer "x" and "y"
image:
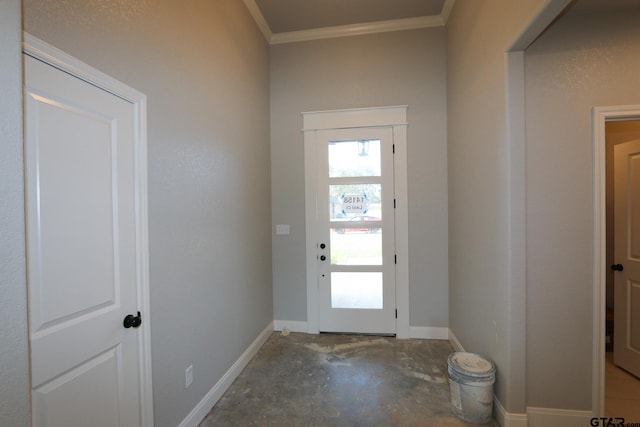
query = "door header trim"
{"x": 53, "y": 56}
{"x": 355, "y": 118}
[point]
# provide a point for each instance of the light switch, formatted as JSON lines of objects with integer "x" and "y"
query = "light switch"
{"x": 282, "y": 228}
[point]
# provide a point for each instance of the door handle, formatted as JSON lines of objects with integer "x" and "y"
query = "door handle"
{"x": 131, "y": 321}
{"x": 617, "y": 267}
{"x": 322, "y": 257}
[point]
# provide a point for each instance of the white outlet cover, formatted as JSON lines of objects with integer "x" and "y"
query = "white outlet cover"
{"x": 188, "y": 376}
{"x": 282, "y": 229}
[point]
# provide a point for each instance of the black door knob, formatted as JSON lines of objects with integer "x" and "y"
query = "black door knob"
{"x": 131, "y": 321}
{"x": 617, "y": 267}
{"x": 322, "y": 257}
{"x": 322, "y": 246}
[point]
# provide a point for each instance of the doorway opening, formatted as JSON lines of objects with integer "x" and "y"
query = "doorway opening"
{"x": 616, "y": 392}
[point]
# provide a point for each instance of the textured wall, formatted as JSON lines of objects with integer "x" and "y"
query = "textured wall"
{"x": 482, "y": 306}
{"x": 14, "y": 359}
{"x": 396, "y": 68}
{"x": 580, "y": 62}
{"x": 204, "y": 68}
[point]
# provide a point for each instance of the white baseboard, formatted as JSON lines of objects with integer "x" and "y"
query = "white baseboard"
{"x": 535, "y": 417}
{"x": 504, "y": 418}
{"x": 508, "y": 419}
{"x": 204, "y": 406}
{"x": 291, "y": 325}
{"x": 420, "y": 332}
{"x": 428, "y": 333}
{"x": 454, "y": 342}
{"x": 549, "y": 417}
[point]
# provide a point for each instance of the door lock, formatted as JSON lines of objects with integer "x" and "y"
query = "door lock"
{"x": 322, "y": 257}
{"x": 131, "y": 321}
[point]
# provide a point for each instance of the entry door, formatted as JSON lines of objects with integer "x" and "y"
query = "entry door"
{"x": 355, "y": 213}
{"x": 83, "y": 269}
{"x": 627, "y": 256}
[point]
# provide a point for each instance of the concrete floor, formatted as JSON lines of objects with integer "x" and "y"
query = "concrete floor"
{"x": 340, "y": 380}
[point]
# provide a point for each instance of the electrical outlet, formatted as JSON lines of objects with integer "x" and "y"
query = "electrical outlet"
{"x": 188, "y": 376}
{"x": 282, "y": 229}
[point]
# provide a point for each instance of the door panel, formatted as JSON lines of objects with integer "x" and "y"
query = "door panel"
{"x": 81, "y": 239}
{"x": 355, "y": 196}
{"x": 51, "y": 399}
{"x": 627, "y": 253}
{"x": 89, "y": 224}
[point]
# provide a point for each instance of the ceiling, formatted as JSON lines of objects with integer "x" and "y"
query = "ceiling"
{"x": 284, "y": 21}
{"x": 601, "y": 6}
{"x": 296, "y": 15}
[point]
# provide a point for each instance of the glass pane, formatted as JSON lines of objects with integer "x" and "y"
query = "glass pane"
{"x": 353, "y": 245}
{"x": 356, "y": 290}
{"x": 347, "y": 201}
{"x": 354, "y": 158}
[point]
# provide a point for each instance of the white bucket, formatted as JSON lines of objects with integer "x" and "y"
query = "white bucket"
{"x": 471, "y": 379}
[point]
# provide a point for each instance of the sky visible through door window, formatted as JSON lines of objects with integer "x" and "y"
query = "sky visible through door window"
{"x": 354, "y": 158}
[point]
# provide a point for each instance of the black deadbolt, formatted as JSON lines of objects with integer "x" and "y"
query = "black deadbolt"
{"x": 131, "y": 321}
{"x": 322, "y": 246}
{"x": 322, "y": 257}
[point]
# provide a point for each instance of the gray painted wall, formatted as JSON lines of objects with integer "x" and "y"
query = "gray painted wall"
{"x": 580, "y": 62}
{"x": 204, "y": 68}
{"x": 486, "y": 308}
{"x": 14, "y": 359}
{"x": 395, "y": 68}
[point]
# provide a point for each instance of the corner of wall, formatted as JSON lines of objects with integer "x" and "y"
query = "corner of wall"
{"x": 203, "y": 407}
{"x": 508, "y": 419}
{"x": 14, "y": 357}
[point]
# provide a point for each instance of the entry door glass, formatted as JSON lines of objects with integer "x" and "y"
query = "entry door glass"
{"x": 355, "y": 213}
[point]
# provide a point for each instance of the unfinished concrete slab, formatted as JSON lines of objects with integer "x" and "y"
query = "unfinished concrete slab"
{"x": 340, "y": 380}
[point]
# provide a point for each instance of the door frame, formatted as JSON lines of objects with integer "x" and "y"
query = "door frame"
{"x": 600, "y": 116}
{"x": 394, "y": 117}
{"x": 44, "y": 52}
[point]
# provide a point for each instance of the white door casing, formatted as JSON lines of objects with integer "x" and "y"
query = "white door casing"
{"x": 601, "y": 115}
{"x": 315, "y": 123}
{"x": 355, "y": 226}
{"x": 85, "y": 184}
{"x": 626, "y": 352}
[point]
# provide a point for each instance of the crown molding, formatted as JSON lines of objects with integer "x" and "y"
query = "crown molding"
{"x": 254, "y": 10}
{"x": 357, "y": 29}
{"x": 348, "y": 30}
{"x": 447, "y": 7}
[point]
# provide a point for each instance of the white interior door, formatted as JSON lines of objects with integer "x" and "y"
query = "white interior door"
{"x": 627, "y": 256}
{"x": 84, "y": 273}
{"x": 355, "y": 214}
